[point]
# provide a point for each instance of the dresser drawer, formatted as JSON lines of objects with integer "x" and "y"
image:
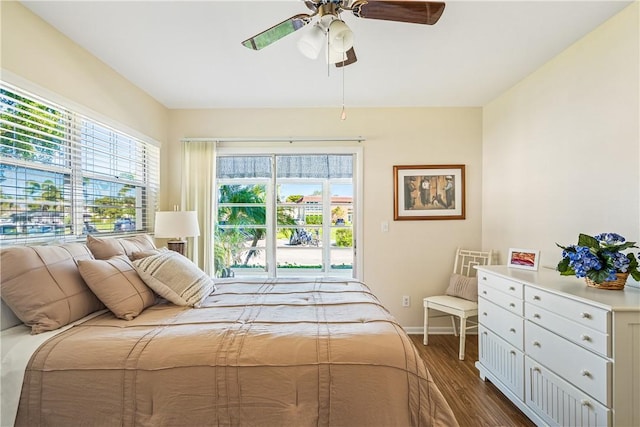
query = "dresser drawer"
{"x": 586, "y": 314}
{"x": 559, "y": 403}
{"x": 503, "y": 323}
{"x": 501, "y": 284}
{"x": 587, "y": 371}
{"x": 506, "y": 301}
{"x": 574, "y": 331}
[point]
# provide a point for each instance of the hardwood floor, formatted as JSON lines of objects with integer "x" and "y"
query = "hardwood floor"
{"x": 474, "y": 402}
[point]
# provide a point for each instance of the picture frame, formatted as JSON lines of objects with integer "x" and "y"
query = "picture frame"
{"x": 526, "y": 259}
{"x": 428, "y": 192}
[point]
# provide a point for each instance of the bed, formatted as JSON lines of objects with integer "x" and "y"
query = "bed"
{"x": 261, "y": 352}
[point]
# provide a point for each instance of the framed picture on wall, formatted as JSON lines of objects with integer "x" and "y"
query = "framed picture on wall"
{"x": 526, "y": 259}
{"x": 428, "y": 192}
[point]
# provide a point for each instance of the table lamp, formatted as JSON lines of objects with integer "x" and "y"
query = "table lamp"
{"x": 176, "y": 225}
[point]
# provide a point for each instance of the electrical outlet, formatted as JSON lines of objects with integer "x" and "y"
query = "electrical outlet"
{"x": 406, "y": 301}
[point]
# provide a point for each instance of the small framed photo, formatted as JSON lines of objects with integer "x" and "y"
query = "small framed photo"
{"x": 428, "y": 192}
{"x": 526, "y": 259}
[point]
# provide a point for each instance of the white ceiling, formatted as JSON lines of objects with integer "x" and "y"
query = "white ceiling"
{"x": 187, "y": 54}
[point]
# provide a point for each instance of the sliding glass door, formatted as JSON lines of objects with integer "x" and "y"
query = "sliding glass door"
{"x": 286, "y": 214}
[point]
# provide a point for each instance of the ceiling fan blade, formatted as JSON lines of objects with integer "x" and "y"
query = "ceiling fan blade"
{"x": 277, "y": 32}
{"x": 312, "y": 5}
{"x": 351, "y": 58}
{"x": 417, "y": 12}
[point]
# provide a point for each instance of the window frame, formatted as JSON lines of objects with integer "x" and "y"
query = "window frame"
{"x": 142, "y": 174}
{"x": 348, "y": 148}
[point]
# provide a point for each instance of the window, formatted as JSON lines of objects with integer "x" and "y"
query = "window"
{"x": 286, "y": 214}
{"x": 64, "y": 175}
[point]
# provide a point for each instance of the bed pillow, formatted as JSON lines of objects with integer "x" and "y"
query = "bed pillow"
{"x": 143, "y": 254}
{"x": 8, "y": 318}
{"x": 117, "y": 284}
{"x": 175, "y": 278}
{"x": 463, "y": 287}
{"x": 105, "y": 248}
{"x": 43, "y": 287}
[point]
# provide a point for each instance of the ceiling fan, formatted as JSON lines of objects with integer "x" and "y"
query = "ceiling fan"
{"x": 331, "y": 31}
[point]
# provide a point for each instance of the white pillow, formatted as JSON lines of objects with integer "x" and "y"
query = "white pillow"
{"x": 463, "y": 287}
{"x": 175, "y": 277}
{"x": 143, "y": 254}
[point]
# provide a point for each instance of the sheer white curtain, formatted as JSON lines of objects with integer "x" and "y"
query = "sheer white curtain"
{"x": 198, "y": 171}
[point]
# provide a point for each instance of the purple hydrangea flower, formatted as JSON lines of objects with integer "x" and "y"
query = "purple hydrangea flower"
{"x": 609, "y": 238}
{"x": 599, "y": 257}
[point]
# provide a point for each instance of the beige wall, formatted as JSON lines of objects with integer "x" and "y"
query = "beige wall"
{"x": 561, "y": 148}
{"x": 413, "y": 258}
{"x": 36, "y": 55}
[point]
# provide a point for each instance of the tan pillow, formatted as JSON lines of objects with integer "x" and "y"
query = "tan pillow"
{"x": 105, "y": 248}
{"x": 43, "y": 287}
{"x": 175, "y": 278}
{"x": 117, "y": 284}
{"x": 143, "y": 254}
{"x": 463, "y": 287}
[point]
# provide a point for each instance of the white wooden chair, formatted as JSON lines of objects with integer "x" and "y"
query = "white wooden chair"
{"x": 455, "y": 306}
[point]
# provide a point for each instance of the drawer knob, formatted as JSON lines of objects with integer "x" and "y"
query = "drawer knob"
{"x": 484, "y": 313}
{"x": 512, "y": 305}
{"x": 585, "y": 402}
{"x": 484, "y": 277}
{"x": 536, "y": 298}
{"x": 513, "y": 353}
{"x": 585, "y": 337}
{"x": 536, "y": 369}
{"x": 484, "y": 292}
{"x": 512, "y": 288}
{"x": 585, "y": 373}
{"x": 536, "y": 344}
{"x": 485, "y": 333}
{"x": 512, "y": 330}
{"x": 585, "y": 315}
{"x": 536, "y": 316}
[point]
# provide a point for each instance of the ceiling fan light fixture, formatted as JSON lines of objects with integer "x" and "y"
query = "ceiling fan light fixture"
{"x": 312, "y": 42}
{"x": 340, "y": 36}
{"x": 334, "y": 57}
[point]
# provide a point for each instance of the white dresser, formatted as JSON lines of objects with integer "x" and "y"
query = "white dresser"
{"x": 564, "y": 353}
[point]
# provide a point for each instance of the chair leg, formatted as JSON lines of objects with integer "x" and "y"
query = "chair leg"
{"x": 425, "y": 339}
{"x": 463, "y": 334}
{"x": 453, "y": 322}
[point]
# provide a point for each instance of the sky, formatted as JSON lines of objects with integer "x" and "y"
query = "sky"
{"x": 309, "y": 189}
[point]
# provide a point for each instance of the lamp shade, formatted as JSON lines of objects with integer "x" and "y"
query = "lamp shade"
{"x": 312, "y": 42}
{"x": 340, "y": 36}
{"x": 334, "y": 57}
{"x": 176, "y": 224}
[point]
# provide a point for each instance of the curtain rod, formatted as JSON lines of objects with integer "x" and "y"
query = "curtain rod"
{"x": 278, "y": 139}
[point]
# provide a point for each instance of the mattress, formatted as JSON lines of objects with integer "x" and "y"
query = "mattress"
{"x": 267, "y": 353}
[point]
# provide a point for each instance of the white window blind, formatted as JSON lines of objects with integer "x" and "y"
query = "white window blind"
{"x": 64, "y": 175}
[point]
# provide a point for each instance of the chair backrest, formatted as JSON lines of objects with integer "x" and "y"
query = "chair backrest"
{"x": 467, "y": 259}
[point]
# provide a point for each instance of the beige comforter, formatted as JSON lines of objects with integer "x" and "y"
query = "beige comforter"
{"x": 258, "y": 353}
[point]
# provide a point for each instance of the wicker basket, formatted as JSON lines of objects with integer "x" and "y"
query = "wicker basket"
{"x": 614, "y": 285}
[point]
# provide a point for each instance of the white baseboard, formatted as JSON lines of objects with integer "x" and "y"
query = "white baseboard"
{"x": 433, "y": 330}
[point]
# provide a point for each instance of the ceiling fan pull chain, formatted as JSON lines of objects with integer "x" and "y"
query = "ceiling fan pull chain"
{"x": 328, "y": 47}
